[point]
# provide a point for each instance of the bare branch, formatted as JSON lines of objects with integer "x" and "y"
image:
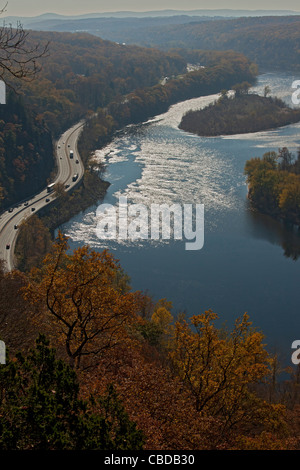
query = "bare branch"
{"x": 18, "y": 56}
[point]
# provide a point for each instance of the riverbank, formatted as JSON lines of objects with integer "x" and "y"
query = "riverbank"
{"x": 243, "y": 253}
{"x": 34, "y": 239}
{"x": 274, "y": 185}
{"x": 136, "y": 107}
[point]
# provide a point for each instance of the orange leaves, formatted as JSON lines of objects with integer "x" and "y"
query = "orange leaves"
{"x": 83, "y": 296}
{"x": 219, "y": 367}
{"x": 274, "y": 184}
{"x": 265, "y": 441}
{"x": 187, "y": 386}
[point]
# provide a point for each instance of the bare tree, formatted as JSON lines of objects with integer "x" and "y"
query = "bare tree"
{"x": 18, "y": 57}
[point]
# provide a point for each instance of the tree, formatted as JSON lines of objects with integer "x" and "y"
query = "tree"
{"x": 218, "y": 368}
{"x": 155, "y": 321}
{"x": 267, "y": 91}
{"x": 241, "y": 88}
{"x": 33, "y": 243}
{"x": 16, "y": 326}
{"x": 274, "y": 185}
{"x": 163, "y": 319}
{"x": 289, "y": 200}
{"x": 18, "y": 57}
{"x": 286, "y": 159}
{"x": 85, "y": 297}
{"x": 60, "y": 191}
{"x": 40, "y": 408}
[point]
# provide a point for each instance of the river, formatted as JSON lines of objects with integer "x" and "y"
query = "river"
{"x": 248, "y": 262}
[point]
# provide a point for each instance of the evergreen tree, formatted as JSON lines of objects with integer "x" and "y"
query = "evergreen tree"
{"x": 40, "y": 408}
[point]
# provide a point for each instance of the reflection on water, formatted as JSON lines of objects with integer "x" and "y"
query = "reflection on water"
{"x": 276, "y": 232}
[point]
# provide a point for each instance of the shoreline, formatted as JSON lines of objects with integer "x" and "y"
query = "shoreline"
{"x": 248, "y": 113}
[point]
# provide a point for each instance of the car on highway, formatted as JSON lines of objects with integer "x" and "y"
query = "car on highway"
{"x": 32, "y": 209}
{"x": 10, "y": 209}
{"x": 25, "y": 203}
{"x": 15, "y": 226}
{"x": 77, "y": 161}
{"x": 67, "y": 186}
{"x": 8, "y": 246}
{"x": 48, "y": 199}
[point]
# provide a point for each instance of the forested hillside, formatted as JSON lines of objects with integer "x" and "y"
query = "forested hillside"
{"x": 82, "y": 72}
{"x": 79, "y": 74}
{"x": 26, "y": 151}
{"x": 91, "y": 363}
{"x": 126, "y": 374}
{"x": 223, "y": 70}
{"x": 273, "y": 42}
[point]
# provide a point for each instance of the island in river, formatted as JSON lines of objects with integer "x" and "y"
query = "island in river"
{"x": 239, "y": 114}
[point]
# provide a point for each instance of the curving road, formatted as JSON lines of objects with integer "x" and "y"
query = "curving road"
{"x": 67, "y": 168}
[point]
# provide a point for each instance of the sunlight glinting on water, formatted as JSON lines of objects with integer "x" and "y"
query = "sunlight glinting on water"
{"x": 249, "y": 262}
{"x": 171, "y": 172}
{"x": 176, "y": 167}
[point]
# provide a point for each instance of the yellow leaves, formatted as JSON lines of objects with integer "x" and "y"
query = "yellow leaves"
{"x": 83, "y": 298}
{"x": 162, "y": 316}
{"x": 218, "y": 367}
{"x": 289, "y": 198}
{"x": 265, "y": 441}
{"x": 274, "y": 184}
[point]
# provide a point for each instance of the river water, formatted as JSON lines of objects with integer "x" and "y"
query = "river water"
{"x": 248, "y": 262}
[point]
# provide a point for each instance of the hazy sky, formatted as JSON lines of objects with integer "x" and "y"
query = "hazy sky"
{"x": 36, "y": 7}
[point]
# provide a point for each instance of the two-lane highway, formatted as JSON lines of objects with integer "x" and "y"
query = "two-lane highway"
{"x": 70, "y": 171}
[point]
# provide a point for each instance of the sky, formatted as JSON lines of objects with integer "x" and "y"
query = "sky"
{"x": 76, "y": 7}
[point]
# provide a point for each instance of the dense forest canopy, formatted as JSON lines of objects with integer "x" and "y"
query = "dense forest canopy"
{"x": 223, "y": 70}
{"x": 92, "y": 364}
{"x": 274, "y": 184}
{"x": 82, "y": 73}
{"x": 26, "y": 151}
{"x": 78, "y": 74}
{"x": 126, "y": 374}
{"x": 238, "y": 114}
{"x": 271, "y": 41}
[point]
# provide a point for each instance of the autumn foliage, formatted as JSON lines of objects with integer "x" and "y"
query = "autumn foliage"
{"x": 274, "y": 184}
{"x": 84, "y": 298}
{"x": 182, "y": 384}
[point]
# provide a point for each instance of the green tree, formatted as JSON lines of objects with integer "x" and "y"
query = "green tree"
{"x": 40, "y": 408}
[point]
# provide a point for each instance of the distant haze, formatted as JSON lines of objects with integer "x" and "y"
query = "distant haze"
{"x": 77, "y": 7}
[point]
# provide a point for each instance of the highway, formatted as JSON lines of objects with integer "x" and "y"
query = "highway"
{"x": 67, "y": 167}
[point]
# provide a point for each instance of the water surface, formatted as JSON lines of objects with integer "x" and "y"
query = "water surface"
{"x": 248, "y": 262}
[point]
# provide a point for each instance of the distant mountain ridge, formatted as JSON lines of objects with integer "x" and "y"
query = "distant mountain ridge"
{"x": 156, "y": 13}
{"x": 114, "y": 28}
